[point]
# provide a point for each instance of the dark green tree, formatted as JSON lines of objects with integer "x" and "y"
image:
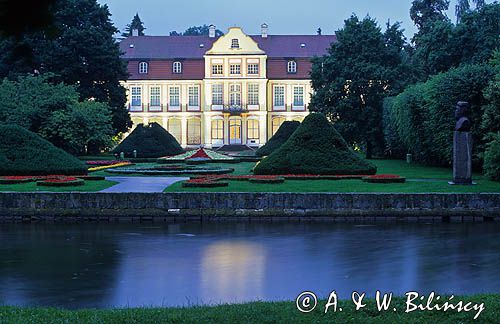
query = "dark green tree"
{"x": 425, "y": 12}
{"x": 197, "y": 31}
{"x": 81, "y": 51}
{"x": 351, "y": 81}
{"x": 135, "y": 24}
{"x": 479, "y": 3}
{"x": 18, "y": 17}
{"x": 461, "y": 9}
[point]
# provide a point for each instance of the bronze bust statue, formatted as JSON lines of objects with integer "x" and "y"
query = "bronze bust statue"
{"x": 462, "y": 111}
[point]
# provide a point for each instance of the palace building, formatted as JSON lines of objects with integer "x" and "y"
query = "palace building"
{"x": 235, "y": 89}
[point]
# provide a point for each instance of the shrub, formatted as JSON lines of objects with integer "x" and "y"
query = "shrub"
{"x": 25, "y": 153}
{"x": 384, "y": 178}
{"x": 423, "y": 115}
{"x": 151, "y": 141}
{"x": 315, "y": 148}
{"x": 492, "y": 159}
{"x": 282, "y": 135}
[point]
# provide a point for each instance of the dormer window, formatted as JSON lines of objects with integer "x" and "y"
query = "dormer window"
{"x": 177, "y": 67}
{"x": 235, "y": 43}
{"x": 143, "y": 68}
{"x": 292, "y": 67}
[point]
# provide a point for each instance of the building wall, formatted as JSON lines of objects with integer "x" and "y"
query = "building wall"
{"x": 198, "y": 125}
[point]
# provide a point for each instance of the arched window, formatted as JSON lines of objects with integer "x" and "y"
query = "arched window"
{"x": 194, "y": 131}
{"x": 277, "y": 121}
{"x": 174, "y": 126}
{"x": 143, "y": 68}
{"x": 292, "y": 67}
{"x": 177, "y": 67}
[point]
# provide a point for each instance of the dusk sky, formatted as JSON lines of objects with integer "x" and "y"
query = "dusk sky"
{"x": 283, "y": 16}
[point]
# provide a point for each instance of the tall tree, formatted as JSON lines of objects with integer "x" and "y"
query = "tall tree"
{"x": 135, "y": 24}
{"x": 16, "y": 19}
{"x": 352, "y": 80}
{"x": 425, "y": 12}
{"x": 461, "y": 9}
{"x": 197, "y": 31}
{"x": 479, "y": 3}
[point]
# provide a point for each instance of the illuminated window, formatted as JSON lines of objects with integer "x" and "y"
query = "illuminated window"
{"x": 143, "y": 68}
{"x": 194, "y": 131}
{"x": 174, "y": 126}
{"x": 292, "y": 67}
{"x": 217, "y": 94}
{"x": 253, "y": 129}
{"x": 217, "y": 69}
{"x": 253, "y": 68}
{"x": 177, "y": 67}
{"x": 253, "y": 94}
{"x": 277, "y": 123}
{"x": 217, "y": 129}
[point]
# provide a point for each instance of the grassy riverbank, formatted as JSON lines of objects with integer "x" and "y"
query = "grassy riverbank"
{"x": 283, "y": 312}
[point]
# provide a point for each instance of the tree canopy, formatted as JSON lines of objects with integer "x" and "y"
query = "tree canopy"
{"x": 135, "y": 24}
{"x": 81, "y": 52}
{"x": 361, "y": 68}
{"x": 197, "y": 31}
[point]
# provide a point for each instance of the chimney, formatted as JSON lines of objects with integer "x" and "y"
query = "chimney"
{"x": 263, "y": 30}
{"x": 135, "y": 32}
{"x": 211, "y": 31}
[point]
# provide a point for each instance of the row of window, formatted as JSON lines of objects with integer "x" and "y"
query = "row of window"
{"x": 218, "y": 69}
{"x": 174, "y": 95}
{"x": 235, "y": 95}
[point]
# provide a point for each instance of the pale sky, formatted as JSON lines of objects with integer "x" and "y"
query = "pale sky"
{"x": 283, "y": 16}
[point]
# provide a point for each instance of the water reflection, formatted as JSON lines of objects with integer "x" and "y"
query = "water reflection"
{"x": 138, "y": 265}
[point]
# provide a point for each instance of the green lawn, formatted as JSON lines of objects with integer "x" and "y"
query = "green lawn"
{"x": 420, "y": 179}
{"x": 89, "y": 186}
{"x": 259, "y": 312}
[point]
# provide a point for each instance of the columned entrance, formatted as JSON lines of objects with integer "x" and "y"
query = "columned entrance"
{"x": 235, "y": 131}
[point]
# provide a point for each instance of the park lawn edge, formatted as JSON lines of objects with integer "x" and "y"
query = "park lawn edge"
{"x": 259, "y": 312}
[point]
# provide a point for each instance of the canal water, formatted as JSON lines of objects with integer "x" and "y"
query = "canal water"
{"x": 106, "y": 265}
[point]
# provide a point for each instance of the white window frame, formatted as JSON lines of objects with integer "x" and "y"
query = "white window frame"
{"x": 177, "y": 67}
{"x": 253, "y": 68}
{"x": 194, "y": 98}
{"x": 279, "y": 99}
{"x": 298, "y": 97}
{"x": 217, "y": 132}
{"x": 235, "y": 95}
{"x": 253, "y": 133}
{"x": 292, "y": 66}
{"x": 143, "y": 68}
{"x": 174, "y": 98}
{"x": 196, "y": 139}
{"x": 235, "y": 69}
{"x": 235, "y": 43}
{"x": 155, "y": 98}
{"x": 253, "y": 96}
{"x": 135, "y": 98}
{"x": 217, "y": 96}
{"x": 217, "y": 69}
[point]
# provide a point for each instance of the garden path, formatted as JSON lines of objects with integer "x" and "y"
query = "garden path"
{"x": 141, "y": 184}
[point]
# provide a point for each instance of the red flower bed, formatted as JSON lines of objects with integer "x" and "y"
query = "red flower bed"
{"x": 200, "y": 154}
{"x": 384, "y": 178}
{"x": 61, "y": 182}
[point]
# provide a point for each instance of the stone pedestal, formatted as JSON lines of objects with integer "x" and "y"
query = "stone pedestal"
{"x": 462, "y": 158}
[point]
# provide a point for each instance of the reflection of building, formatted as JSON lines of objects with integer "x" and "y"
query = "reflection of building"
{"x": 235, "y": 89}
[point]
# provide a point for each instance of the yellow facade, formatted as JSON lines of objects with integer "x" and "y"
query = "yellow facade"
{"x": 236, "y": 100}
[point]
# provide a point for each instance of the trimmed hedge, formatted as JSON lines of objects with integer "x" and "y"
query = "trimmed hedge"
{"x": 25, "y": 153}
{"x": 282, "y": 135}
{"x": 150, "y": 141}
{"x": 315, "y": 148}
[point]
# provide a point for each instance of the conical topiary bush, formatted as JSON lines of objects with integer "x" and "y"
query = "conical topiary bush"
{"x": 315, "y": 148}
{"x": 150, "y": 141}
{"x": 25, "y": 153}
{"x": 282, "y": 135}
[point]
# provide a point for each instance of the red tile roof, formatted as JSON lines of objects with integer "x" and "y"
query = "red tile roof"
{"x": 188, "y": 47}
